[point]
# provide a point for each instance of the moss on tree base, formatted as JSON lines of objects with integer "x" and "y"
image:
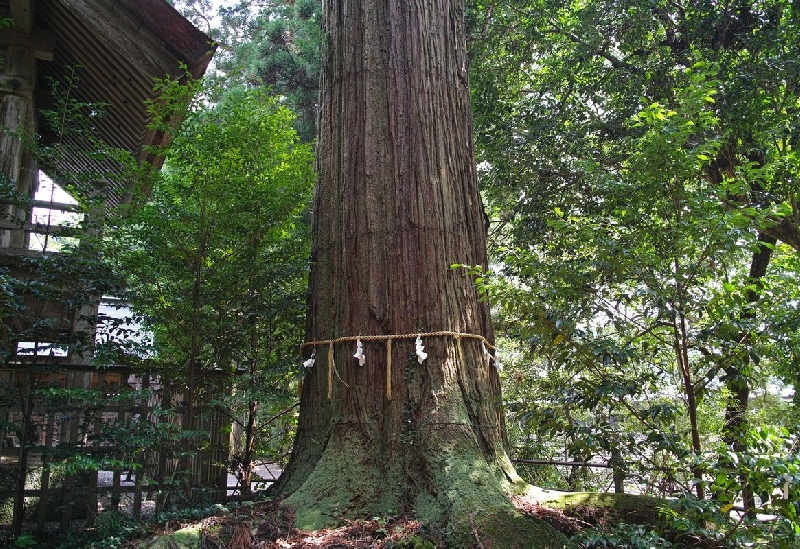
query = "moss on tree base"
{"x": 601, "y": 508}
{"x": 471, "y": 517}
{"x": 455, "y": 492}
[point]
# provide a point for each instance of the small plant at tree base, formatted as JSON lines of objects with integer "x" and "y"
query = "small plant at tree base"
{"x": 413, "y": 542}
{"x": 622, "y": 536}
{"x": 25, "y": 540}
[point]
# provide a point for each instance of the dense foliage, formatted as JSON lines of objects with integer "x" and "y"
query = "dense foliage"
{"x": 639, "y": 163}
{"x": 216, "y": 263}
{"x": 272, "y": 45}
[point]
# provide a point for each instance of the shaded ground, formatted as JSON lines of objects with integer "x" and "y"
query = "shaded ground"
{"x": 266, "y": 526}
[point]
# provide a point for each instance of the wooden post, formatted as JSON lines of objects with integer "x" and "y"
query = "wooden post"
{"x": 91, "y": 499}
{"x": 74, "y": 380}
{"x": 141, "y": 414}
{"x": 137, "y": 495}
{"x": 220, "y": 445}
{"x": 24, "y": 446}
{"x": 116, "y": 487}
{"x": 44, "y": 498}
{"x": 5, "y": 395}
{"x": 16, "y": 111}
{"x": 161, "y": 462}
{"x": 93, "y": 221}
{"x": 17, "y": 85}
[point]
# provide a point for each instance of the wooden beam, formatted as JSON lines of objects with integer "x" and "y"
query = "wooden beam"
{"x": 61, "y": 206}
{"x": 42, "y": 42}
{"x": 47, "y": 205}
{"x": 16, "y": 253}
{"x": 23, "y": 12}
{"x": 39, "y": 228}
{"x": 16, "y": 86}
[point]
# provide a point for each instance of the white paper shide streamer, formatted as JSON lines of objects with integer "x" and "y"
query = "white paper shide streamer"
{"x": 492, "y": 358}
{"x": 420, "y": 350}
{"x": 360, "y": 353}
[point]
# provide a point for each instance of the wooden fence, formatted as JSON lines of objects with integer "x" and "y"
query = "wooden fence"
{"x": 615, "y": 463}
{"x": 52, "y": 441}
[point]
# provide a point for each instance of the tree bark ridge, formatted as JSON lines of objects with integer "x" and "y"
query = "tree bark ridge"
{"x": 396, "y": 205}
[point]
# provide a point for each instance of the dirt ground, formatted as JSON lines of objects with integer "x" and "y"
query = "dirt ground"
{"x": 267, "y": 526}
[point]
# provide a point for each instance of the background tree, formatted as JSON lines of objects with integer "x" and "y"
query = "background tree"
{"x": 638, "y": 160}
{"x": 273, "y": 45}
{"x": 216, "y": 263}
{"x": 284, "y": 56}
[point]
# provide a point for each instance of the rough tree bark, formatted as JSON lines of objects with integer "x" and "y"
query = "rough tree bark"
{"x": 396, "y": 205}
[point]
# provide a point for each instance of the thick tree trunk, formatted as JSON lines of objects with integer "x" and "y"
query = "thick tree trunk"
{"x": 396, "y": 206}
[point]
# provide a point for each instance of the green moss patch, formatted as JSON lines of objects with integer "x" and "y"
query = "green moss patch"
{"x": 601, "y": 509}
{"x": 186, "y": 538}
{"x": 473, "y": 496}
{"x": 345, "y": 484}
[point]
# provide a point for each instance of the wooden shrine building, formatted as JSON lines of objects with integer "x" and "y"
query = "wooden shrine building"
{"x": 99, "y": 52}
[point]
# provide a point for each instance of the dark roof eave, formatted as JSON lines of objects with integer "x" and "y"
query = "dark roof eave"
{"x": 186, "y": 41}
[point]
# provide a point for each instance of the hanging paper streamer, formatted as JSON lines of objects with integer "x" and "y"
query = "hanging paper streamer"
{"x": 388, "y": 369}
{"x": 486, "y": 356}
{"x": 360, "y": 353}
{"x": 492, "y": 358}
{"x": 331, "y": 367}
{"x": 420, "y": 350}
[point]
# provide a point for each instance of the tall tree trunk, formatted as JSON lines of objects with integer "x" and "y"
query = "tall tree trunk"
{"x": 248, "y": 449}
{"x": 737, "y": 375}
{"x": 189, "y": 462}
{"x": 396, "y": 206}
{"x": 680, "y": 345}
